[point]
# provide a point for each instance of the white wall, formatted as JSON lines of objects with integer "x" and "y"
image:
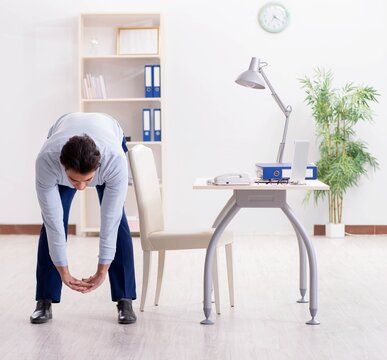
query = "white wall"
{"x": 213, "y": 125}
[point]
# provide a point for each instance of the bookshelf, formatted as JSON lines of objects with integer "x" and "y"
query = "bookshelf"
{"x": 123, "y": 77}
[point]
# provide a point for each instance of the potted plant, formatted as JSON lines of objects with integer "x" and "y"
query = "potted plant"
{"x": 343, "y": 157}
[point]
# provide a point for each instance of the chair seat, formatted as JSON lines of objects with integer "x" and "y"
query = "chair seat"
{"x": 175, "y": 240}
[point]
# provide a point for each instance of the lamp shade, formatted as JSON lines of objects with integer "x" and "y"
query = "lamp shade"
{"x": 251, "y": 77}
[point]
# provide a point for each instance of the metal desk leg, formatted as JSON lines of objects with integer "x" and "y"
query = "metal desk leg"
{"x": 209, "y": 261}
{"x": 312, "y": 263}
{"x": 303, "y": 264}
{"x": 224, "y": 211}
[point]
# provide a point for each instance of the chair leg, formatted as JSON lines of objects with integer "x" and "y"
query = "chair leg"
{"x": 160, "y": 273}
{"x": 230, "y": 273}
{"x": 215, "y": 280}
{"x": 145, "y": 277}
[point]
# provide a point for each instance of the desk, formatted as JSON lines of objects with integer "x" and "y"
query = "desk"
{"x": 263, "y": 196}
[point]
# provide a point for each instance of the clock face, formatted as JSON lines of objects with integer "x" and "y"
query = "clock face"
{"x": 273, "y": 17}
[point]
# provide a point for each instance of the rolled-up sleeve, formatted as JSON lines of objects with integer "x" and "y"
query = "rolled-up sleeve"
{"x": 116, "y": 186}
{"x": 46, "y": 183}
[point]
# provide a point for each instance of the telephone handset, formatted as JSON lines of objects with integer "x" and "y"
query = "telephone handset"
{"x": 232, "y": 179}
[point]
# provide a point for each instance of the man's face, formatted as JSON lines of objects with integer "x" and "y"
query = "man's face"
{"x": 79, "y": 181}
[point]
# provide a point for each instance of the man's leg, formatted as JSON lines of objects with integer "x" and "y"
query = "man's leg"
{"x": 121, "y": 271}
{"x": 48, "y": 281}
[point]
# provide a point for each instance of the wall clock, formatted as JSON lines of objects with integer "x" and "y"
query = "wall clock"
{"x": 273, "y": 17}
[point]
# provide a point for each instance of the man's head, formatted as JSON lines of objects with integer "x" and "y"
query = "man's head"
{"x": 80, "y": 158}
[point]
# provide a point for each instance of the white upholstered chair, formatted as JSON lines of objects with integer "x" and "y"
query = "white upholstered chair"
{"x": 154, "y": 237}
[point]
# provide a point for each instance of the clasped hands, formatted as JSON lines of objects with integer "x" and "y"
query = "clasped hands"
{"x": 85, "y": 285}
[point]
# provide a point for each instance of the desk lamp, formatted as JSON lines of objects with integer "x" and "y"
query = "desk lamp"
{"x": 252, "y": 79}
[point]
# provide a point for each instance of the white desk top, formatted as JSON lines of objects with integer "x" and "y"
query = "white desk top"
{"x": 202, "y": 183}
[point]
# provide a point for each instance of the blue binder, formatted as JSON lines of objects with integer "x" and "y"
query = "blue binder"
{"x": 156, "y": 81}
{"x": 157, "y": 124}
{"x": 146, "y": 124}
{"x": 275, "y": 171}
{"x": 148, "y": 80}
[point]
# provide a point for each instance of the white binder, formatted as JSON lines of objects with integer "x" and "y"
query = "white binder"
{"x": 148, "y": 81}
{"x": 157, "y": 125}
{"x": 146, "y": 124}
{"x": 156, "y": 81}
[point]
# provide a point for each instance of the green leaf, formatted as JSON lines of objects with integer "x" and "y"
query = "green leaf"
{"x": 336, "y": 111}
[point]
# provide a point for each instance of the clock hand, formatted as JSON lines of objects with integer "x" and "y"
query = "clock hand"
{"x": 277, "y": 18}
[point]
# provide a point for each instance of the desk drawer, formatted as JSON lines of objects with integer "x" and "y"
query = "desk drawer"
{"x": 261, "y": 198}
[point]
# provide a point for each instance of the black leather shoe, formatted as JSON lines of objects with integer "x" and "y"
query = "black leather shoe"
{"x": 42, "y": 313}
{"x": 126, "y": 314}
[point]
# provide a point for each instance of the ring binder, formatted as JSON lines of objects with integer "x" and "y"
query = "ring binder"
{"x": 148, "y": 81}
{"x": 156, "y": 81}
{"x": 157, "y": 124}
{"x": 146, "y": 124}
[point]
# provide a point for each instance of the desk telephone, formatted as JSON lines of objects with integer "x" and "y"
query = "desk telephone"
{"x": 232, "y": 179}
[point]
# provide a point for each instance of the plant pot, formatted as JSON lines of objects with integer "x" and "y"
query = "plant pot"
{"x": 335, "y": 230}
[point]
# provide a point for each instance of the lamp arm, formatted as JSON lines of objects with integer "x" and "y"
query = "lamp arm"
{"x": 282, "y": 143}
{"x": 273, "y": 93}
{"x": 285, "y": 109}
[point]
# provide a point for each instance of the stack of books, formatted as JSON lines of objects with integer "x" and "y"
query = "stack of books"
{"x": 94, "y": 87}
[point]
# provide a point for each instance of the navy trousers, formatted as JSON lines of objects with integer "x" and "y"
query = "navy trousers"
{"x": 121, "y": 271}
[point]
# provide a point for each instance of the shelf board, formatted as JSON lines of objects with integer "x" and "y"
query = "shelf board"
{"x": 102, "y": 57}
{"x": 90, "y": 229}
{"x": 116, "y": 20}
{"x": 133, "y": 143}
{"x": 130, "y": 186}
{"x": 134, "y": 225}
{"x": 122, "y": 100}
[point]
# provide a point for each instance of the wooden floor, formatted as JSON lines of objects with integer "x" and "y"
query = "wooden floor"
{"x": 266, "y": 323}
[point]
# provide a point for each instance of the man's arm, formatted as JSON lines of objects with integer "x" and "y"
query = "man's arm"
{"x": 52, "y": 213}
{"x": 113, "y": 200}
{"x": 98, "y": 278}
{"x": 116, "y": 186}
{"x": 72, "y": 282}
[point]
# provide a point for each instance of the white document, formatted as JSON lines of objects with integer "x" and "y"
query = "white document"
{"x": 156, "y": 75}
{"x": 300, "y": 162}
{"x": 147, "y": 120}
{"x": 148, "y": 76}
{"x": 157, "y": 115}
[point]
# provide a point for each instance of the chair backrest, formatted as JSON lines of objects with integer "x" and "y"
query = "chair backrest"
{"x": 147, "y": 188}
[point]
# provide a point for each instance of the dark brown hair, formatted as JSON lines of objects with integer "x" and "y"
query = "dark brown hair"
{"x": 80, "y": 154}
